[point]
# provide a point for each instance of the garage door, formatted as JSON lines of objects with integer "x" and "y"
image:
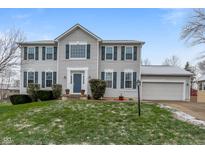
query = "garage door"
{"x": 162, "y": 91}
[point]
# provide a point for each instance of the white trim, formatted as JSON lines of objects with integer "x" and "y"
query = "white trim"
{"x": 78, "y": 43}
{"x": 132, "y": 53}
{"x": 34, "y": 53}
{"x": 82, "y": 85}
{"x": 112, "y": 53}
{"x": 97, "y": 59}
{"x": 171, "y": 81}
{"x": 46, "y": 47}
{"x": 109, "y": 71}
{"x": 131, "y": 80}
{"x": 46, "y": 79}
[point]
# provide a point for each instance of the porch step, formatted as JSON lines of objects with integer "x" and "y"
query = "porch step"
{"x": 73, "y": 96}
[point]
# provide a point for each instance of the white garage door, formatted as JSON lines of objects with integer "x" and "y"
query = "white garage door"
{"x": 162, "y": 91}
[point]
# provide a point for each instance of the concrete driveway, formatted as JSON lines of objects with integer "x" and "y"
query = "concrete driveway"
{"x": 197, "y": 110}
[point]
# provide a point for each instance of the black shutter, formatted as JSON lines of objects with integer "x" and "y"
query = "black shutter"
{"x": 115, "y": 52}
{"x": 36, "y": 54}
{"x": 134, "y": 79}
{"x": 114, "y": 80}
{"x": 123, "y": 53}
{"x": 103, "y": 53}
{"x": 25, "y": 53}
{"x": 88, "y": 51}
{"x": 43, "y": 53}
{"x": 122, "y": 80}
{"x": 135, "y": 53}
{"x": 102, "y": 75}
{"x": 36, "y": 77}
{"x": 24, "y": 79}
{"x": 67, "y": 51}
{"x": 54, "y": 77}
{"x": 43, "y": 79}
{"x": 55, "y": 53}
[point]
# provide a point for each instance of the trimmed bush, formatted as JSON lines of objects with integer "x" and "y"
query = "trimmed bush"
{"x": 20, "y": 99}
{"x": 57, "y": 90}
{"x": 45, "y": 95}
{"x": 32, "y": 90}
{"x": 97, "y": 88}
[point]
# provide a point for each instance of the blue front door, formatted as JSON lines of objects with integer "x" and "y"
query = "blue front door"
{"x": 77, "y": 83}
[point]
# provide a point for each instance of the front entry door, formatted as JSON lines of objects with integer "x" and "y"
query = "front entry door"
{"x": 77, "y": 83}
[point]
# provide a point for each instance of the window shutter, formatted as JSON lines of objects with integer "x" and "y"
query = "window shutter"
{"x": 102, "y": 75}
{"x": 36, "y": 77}
{"x": 114, "y": 80}
{"x": 67, "y": 51}
{"x": 43, "y": 79}
{"x": 54, "y": 77}
{"x": 122, "y": 80}
{"x": 135, "y": 52}
{"x": 55, "y": 53}
{"x": 24, "y": 79}
{"x": 43, "y": 53}
{"x": 103, "y": 53}
{"x": 25, "y": 53}
{"x": 115, "y": 52}
{"x": 88, "y": 51}
{"x": 134, "y": 79}
{"x": 36, "y": 53}
{"x": 123, "y": 53}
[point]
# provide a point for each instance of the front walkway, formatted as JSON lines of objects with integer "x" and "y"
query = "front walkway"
{"x": 196, "y": 110}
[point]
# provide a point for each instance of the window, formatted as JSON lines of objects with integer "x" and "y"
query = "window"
{"x": 78, "y": 51}
{"x": 30, "y": 77}
{"x": 128, "y": 53}
{"x": 31, "y": 52}
{"x": 108, "y": 79}
{"x": 49, "y": 52}
{"x": 49, "y": 79}
{"x": 128, "y": 80}
{"x": 109, "y": 53}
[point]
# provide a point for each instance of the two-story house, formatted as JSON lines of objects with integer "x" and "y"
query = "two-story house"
{"x": 78, "y": 55}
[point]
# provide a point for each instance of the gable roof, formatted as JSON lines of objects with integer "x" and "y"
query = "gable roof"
{"x": 164, "y": 70}
{"x": 202, "y": 78}
{"x": 75, "y": 27}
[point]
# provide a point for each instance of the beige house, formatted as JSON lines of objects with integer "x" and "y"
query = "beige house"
{"x": 78, "y": 55}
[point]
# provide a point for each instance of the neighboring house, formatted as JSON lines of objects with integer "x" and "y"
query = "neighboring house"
{"x": 78, "y": 55}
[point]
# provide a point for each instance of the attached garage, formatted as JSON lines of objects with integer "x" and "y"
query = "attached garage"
{"x": 163, "y": 91}
{"x": 165, "y": 83}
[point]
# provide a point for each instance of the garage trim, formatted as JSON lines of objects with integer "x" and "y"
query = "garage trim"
{"x": 168, "y": 81}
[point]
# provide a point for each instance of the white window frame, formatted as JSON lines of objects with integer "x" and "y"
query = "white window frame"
{"x": 108, "y": 71}
{"x": 126, "y": 52}
{"x": 46, "y": 79}
{"x": 33, "y": 54}
{"x": 52, "y": 52}
{"x": 78, "y": 43}
{"x": 33, "y": 76}
{"x": 106, "y": 52}
{"x": 131, "y": 79}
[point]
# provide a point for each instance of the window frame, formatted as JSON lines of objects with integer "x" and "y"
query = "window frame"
{"x": 105, "y": 78}
{"x": 33, "y": 76}
{"x": 131, "y": 80}
{"x": 47, "y": 53}
{"x": 78, "y": 43}
{"x": 46, "y": 79}
{"x": 126, "y": 52}
{"x": 106, "y": 52}
{"x": 34, "y": 53}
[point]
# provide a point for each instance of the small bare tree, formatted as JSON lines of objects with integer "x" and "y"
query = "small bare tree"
{"x": 201, "y": 66}
{"x": 172, "y": 61}
{"x": 145, "y": 62}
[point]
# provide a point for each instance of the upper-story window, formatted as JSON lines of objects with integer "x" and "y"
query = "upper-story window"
{"x": 31, "y": 53}
{"x": 109, "y": 53}
{"x": 128, "y": 53}
{"x": 30, "y": 77}
{"x": 108, "y": 79}
{"x": 128, "y": 79}
{"x": 78, "y": 51}
{"x": 49, "y": 52}
{"x": 49, "y": 79}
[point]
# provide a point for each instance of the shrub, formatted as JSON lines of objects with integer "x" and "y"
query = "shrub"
{"x": 57, "y": 90}
{"x": 45, "y": 95}
{"x": 97, "y": 88}
{"x": 32, "y": 90}
{"x": 20, "y": 99}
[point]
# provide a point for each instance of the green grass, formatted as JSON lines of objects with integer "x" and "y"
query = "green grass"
{"x": 93, "y": 122}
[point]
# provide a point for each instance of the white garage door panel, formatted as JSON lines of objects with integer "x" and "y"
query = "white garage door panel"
{"x": 162, "y": 91}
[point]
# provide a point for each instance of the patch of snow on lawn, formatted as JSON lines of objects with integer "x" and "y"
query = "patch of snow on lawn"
{"x": 184, "y": 116}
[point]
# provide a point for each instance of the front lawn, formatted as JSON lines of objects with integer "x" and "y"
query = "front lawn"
{"x": 93, "y": 122}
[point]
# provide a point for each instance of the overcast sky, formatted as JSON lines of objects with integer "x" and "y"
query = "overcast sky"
{"x": 159, "y": 28}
